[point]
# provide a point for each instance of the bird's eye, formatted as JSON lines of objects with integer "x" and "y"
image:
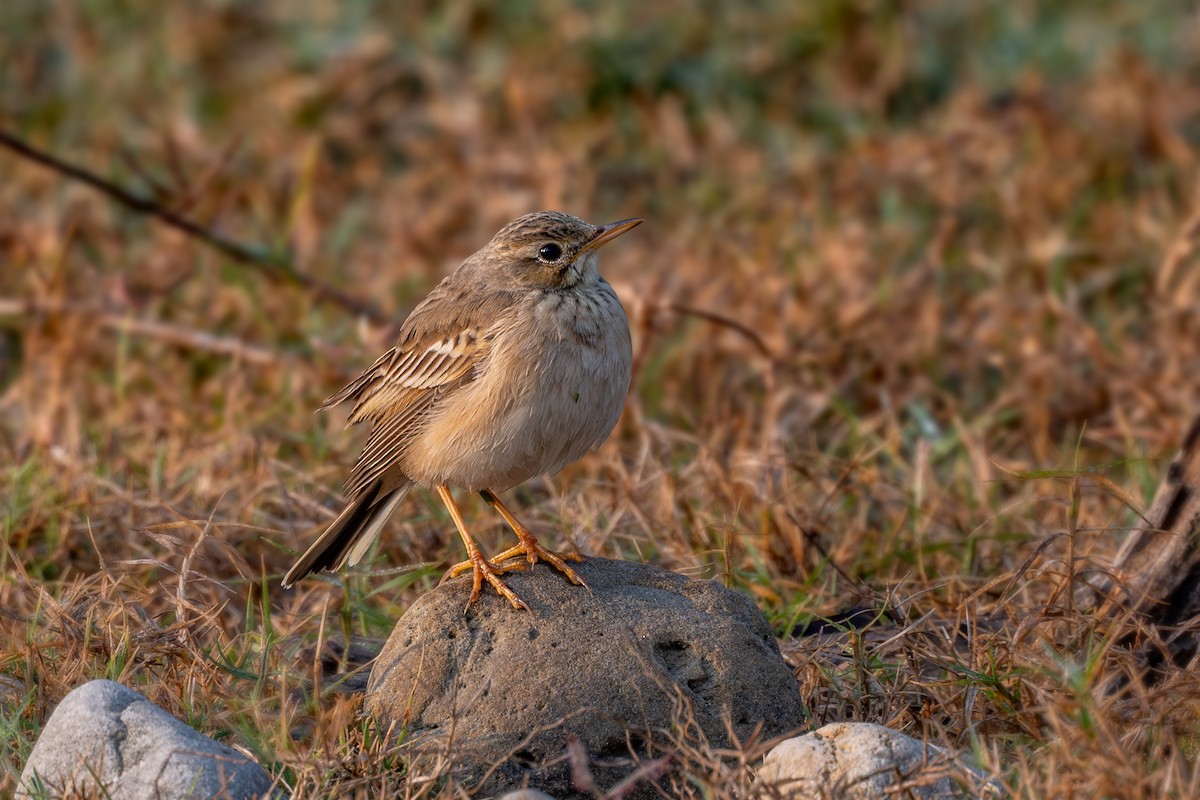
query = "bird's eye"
{"x": 550, "y": 252}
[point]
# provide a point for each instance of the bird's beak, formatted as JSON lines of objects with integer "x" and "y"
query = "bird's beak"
{"x": 606, "y": 233}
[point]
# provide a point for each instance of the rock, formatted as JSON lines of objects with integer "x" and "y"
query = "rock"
{"x": 861, "y": 761}
{"x": 526, "y": 794}
{"x": 105, "y": 740}
{"x": 642, "y": 649}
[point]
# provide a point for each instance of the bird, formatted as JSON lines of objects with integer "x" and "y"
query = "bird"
{"x": 514, "y": 365}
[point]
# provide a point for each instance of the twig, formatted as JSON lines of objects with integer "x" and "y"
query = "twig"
{"x": 122, "y": 323}
{"x": 192, "y": 339}
{"x": 726, "y": 322}
{"x": 274, "y": 265}
{"x": 649, "y": 772}
{"x": 581, "y": 776}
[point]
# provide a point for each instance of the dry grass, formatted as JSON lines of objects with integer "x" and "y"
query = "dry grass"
{"x": 916, "y": 299}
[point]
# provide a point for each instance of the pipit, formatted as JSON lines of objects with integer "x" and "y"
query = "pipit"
{"x": 514, "y": 366}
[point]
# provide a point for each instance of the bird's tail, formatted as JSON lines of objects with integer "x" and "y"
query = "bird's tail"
{"x": 347, "y": 540}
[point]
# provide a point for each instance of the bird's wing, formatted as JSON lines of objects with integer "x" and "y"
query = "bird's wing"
{"x": 398, "y": 377}
{"x": 442, "y": 346}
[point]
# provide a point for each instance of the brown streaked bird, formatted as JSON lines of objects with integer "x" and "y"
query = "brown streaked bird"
{"x": 514, "y": 366}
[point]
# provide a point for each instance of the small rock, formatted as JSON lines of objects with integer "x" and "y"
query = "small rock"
{"x": 105, "y": 740}
{"x": 624, "y": 658}
{"x": 526, "y": 794}
{"x": 862, "y": 761}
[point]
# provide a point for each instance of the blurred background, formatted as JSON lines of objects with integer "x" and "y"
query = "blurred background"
{"x": 916, "y": 290}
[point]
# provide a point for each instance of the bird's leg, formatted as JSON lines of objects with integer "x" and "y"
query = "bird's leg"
{"x": 481, "y": 568}
{"x": 528, "y": 546}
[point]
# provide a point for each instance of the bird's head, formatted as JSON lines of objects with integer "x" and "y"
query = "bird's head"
{"x": 551, "y": 250}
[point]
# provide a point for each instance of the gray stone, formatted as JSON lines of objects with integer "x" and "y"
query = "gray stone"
{"x": 105, "y": 740}
{"x": 526, "y": 794}
{"x": 640, "y": 652}
{"x": 863, "y": 761}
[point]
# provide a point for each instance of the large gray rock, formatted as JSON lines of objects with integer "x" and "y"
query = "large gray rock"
{"x": 639, "y": 652}
{"x": 105, "y": 740}
{"x": 863, "y": 761}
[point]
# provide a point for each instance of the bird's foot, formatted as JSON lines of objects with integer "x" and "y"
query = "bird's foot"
{"x": 484, "y": 570}
{"x": 529, "y": 547}
{"x": 463, "y": 567}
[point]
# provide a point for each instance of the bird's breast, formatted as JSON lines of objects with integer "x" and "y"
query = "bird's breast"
{"x": 552, "y": 388}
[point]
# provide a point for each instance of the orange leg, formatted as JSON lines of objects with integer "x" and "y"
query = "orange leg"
{"x": 481, "y": 568}
{"x": 528, "y": 546}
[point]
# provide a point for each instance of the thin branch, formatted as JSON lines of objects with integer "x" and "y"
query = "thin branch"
{"x": 274, "y": 265}
{"x": 123, "y": 323}
{"x": 722, "y": 320}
